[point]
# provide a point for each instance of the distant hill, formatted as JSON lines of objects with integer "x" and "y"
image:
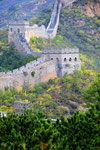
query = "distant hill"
{"x": 21, "y": 9}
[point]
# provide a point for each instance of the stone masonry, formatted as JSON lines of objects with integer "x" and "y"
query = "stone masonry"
{"x": 52, "y": 62}
{"x": 67, "y": 60}
{"x": 20, "y": 106}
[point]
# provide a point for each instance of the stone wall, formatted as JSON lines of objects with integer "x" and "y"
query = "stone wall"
{"x": 26, "y": 68}
{"x": 23, "y": 78}
{"x": 54, "y": 21}
{"x": 53, "y": 63}
{"x": 20, "y": 106}
{"x": 27, "y": 30}
{"x": 37, "y": 31}
{"x": 23, "y": 46}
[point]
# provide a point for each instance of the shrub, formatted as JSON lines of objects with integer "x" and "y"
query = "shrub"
{"x": 33, "y": 73}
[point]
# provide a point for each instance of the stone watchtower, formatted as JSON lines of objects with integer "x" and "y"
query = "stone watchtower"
{"x": 67, "y": 60}
{"x": 17, "y": 27}
{"x": 20, "y": 106}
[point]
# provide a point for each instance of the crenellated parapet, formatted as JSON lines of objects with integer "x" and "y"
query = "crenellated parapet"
{"x": 26, "y": 30}
{"x": 61, "y": 51}
{"x": 26, "y": 68}
{"x": 23, "y": 77}
{"x": 52, "y": 62}
{"x": 67, "y": 60}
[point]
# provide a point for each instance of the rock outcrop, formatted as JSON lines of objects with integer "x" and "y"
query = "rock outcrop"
{"x": 90, "y": 7}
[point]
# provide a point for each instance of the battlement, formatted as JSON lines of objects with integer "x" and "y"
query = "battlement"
{"x": 52, "y": 62}
{"x": 29, "y": 77}
{"x": 24, "y": 24}
{"x": 19, "y": 23}
{"x": 26, "y": 68}
{"x": 47, "y": 55}
{"x": 61, "y": 51}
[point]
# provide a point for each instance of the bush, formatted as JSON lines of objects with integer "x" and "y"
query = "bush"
{"x": 31, "y": 131}
{"x": 33, "y": 73}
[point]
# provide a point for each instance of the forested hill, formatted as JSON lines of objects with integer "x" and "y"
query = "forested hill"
{"x": 21, "y": 9}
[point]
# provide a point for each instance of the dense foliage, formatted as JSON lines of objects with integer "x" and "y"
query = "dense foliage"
{"x": 39, "y": 44}
{"x": 34, "y": 132}
{"x": 10, "y": 58}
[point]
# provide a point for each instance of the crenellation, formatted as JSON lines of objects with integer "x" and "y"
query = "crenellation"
{"x": 18, "y": 79}
{"x": 27, "y": 67}
{"x": 61, "y": 51}
{"x": 52, "y": 62}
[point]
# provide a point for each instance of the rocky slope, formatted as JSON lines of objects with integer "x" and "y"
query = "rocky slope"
{"x": 89, "y": 7}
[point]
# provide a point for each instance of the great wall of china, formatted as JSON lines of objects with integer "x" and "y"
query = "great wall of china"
{"x": 52, "y": 62}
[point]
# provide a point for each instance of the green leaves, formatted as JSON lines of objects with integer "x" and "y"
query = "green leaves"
{"x": 93, "y": 93}
{"x": 28, "y": 131}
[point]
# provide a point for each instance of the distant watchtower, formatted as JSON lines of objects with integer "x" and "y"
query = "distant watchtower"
{"x": 20, "y": 106}
{"x": 67, "y": 60}
{"x": 17, "y": 27}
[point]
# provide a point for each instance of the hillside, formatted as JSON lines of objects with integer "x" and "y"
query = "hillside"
{"x": 63, "y": 95}
{"x": 60, "y": 96}
{"x": 76, "y": 29}
{"x": 21, "y": 9}
{"x": 80, "y": 25}
{"x": 89, "y": 7}
{"x": 82, "y": 31}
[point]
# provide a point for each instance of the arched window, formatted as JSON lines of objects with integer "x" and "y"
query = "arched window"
{"x": 11, "y": 29}
{"x": 70, "y": 59}
{"x": 57, "y": 59}
{"x": 18, "y": 30}
{"x": 75, "y": 59}
{"x": 51, "y": 58}
{"x": 65, "y": 59}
